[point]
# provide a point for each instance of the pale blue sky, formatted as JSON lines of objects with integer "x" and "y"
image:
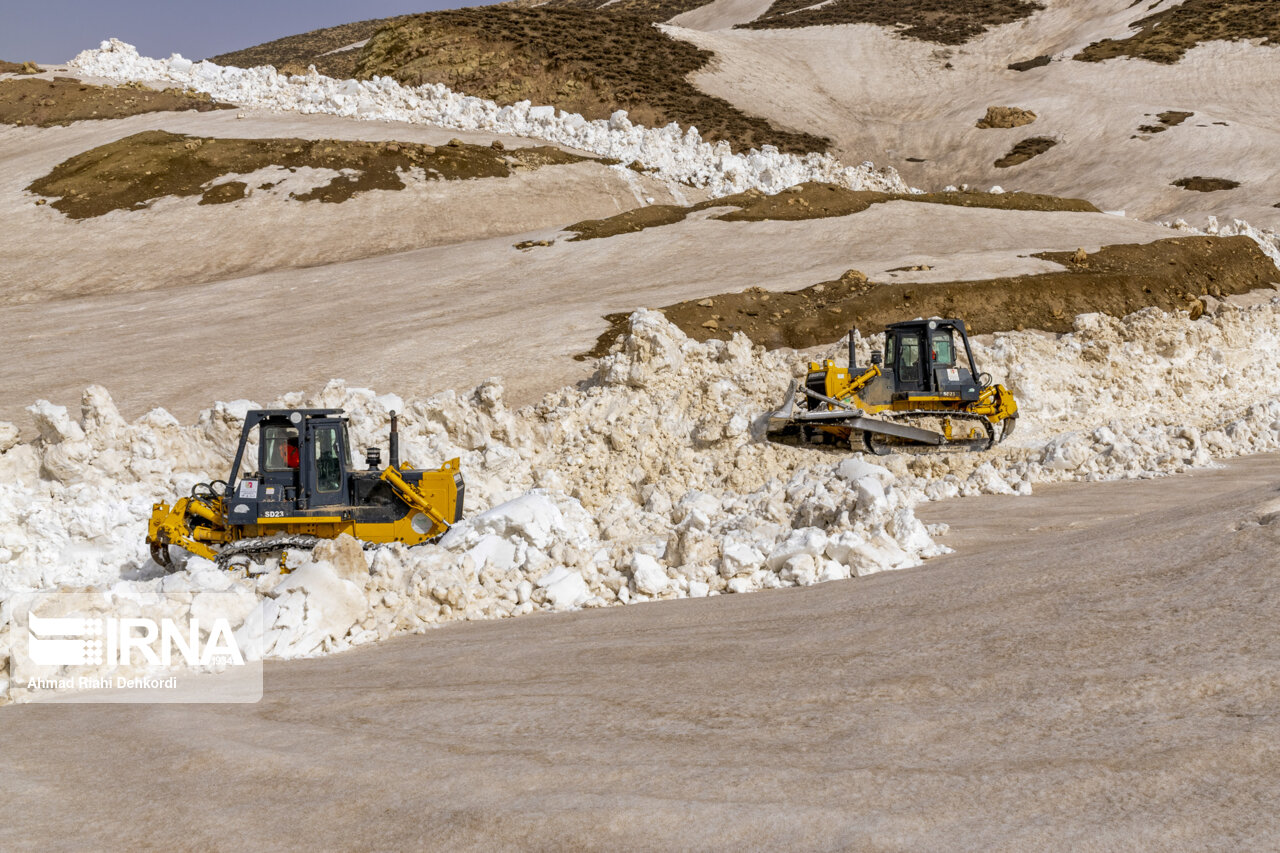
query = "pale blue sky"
{"x": 56, "y": 30}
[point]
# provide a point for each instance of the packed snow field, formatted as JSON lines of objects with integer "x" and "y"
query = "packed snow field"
{"x": 678, "y": 155}
{"x": 914, "y": 104}
{"x": 651, "y": 481}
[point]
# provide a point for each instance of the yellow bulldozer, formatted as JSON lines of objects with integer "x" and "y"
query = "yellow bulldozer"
{"x": 922, "y": 394}
{"x": 303, "y": 489}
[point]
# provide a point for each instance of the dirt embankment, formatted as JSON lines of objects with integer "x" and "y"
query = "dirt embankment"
{"x": 132, "y": 172}
{"x": 7, "y": 67}
{"x": 1170, "y": 274}
{"x": 942, "y": 21}
{"x": 62, "y": 100}
{"x": 813, "y": 200}
{"x": 1165, "y": 36}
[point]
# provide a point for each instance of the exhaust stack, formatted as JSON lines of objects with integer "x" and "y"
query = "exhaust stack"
{"x": 853, "y": 350}
{"x": 393, "y": 444}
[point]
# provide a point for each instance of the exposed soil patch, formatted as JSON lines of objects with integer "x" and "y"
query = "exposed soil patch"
{"x": 1168, "y": 119}
{"x": 1025, "y": 150}
{"x": 581, "y": 60}
{"x": 1002, "y": 117}
{"x": 132, "y": 172}
{"x": 942, "y": 21}
{"x": 1118, "y": 280}
{"x": 1165, "y": 36}
{"x": 225, "y": 193}
{"x": 1173, "y": 118}
{"x": 629, "y": 222}
{"x": 1206, "y": 185}
{"x": 292, "y": 54}
{"x": 1027, "y": 64}
{"x": 62, "y": 100}
{"x": 812, "y": 200}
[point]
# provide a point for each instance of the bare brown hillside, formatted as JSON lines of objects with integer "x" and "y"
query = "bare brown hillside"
{"x": 321, "y": 48}
{"x": 581, "y": 60}
{"x": 1166, "y": 36}
{"x": 942, "y": 21}
{"x": 651, "y": 10}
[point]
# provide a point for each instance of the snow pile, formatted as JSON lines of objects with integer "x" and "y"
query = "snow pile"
{"x": 650, "y": 482}
{"x": 680, "y": 156}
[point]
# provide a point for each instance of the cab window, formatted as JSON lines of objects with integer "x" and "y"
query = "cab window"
{"x": 328, "y": 456}
{"x": 889, "y": 352}
{"x": 279, "y": 448}
{"x": 909, "y": 356}
{"x": 944, "y": 349}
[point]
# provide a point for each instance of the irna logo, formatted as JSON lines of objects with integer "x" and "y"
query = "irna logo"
{"x": 79, "y": 641}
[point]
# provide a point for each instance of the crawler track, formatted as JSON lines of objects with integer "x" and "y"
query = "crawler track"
{"x": 976, "y": 432}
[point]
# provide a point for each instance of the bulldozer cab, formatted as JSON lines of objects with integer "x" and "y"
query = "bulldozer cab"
{"x": 292, "y": 484}
{"x": 303, "y": 463}
{"x": 930, "y": 358}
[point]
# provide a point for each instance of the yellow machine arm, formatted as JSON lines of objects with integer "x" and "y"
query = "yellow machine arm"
{"x": 997, "y": 403}
{"x": 840, "y": 382}
{"x": 416, "y": 498}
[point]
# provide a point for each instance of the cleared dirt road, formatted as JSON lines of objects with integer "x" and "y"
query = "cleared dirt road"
{"x": 1097, "y": 668}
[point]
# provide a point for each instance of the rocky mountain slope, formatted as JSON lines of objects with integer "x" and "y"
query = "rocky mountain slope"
{"x": 904, "y": 84}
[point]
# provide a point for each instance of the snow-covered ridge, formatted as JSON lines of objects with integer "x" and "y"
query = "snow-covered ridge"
{"x": 679, "y": 156}
{"x": 651, "y": 482}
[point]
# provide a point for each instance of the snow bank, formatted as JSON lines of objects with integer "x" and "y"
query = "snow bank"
{"x": 649, "y": 482}
{"x": 679, "y": 156}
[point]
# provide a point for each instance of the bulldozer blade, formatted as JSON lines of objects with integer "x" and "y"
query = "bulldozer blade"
{"x": 782, "y": 418}
{"x": 785, "y": 420}
{"x": 910, "y": 433}
{"x": 870, "y": 424}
